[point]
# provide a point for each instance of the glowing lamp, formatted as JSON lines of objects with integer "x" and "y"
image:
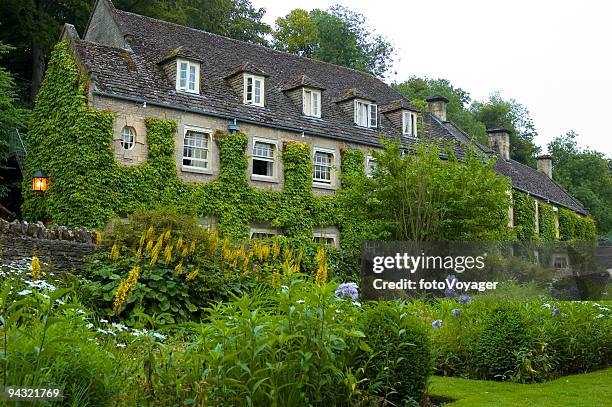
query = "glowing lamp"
{"x": 39, "y": 181}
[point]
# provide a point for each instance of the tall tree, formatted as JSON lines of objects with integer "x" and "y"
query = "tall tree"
{"x": 337, "y": 35}
{"x": 498, "y": 112}
{"x": 587, "y": 175}
{"x": 419, "y": 89}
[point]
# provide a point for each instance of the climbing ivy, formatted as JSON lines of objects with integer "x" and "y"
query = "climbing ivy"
{"x": 524, "y": 208}
{"x": 575, "y": 227}
{"x": 547, "y": 220}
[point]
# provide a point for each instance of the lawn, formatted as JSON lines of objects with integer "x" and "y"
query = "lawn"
{"x": 583, "y": 390}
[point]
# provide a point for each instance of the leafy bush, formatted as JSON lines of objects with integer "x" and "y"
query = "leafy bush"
{"x": 402, "y": 353}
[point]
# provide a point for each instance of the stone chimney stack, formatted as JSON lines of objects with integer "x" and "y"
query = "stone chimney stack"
{"x": 545, "y": 164}
{"x": 437, "y": 106}
{"x": 499, "y": 140}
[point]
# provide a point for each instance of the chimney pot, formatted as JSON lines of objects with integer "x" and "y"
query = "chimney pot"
{"x": 545, "y": 164}
{"x": 437, "y": 106}
{"x": 499, "y": 140}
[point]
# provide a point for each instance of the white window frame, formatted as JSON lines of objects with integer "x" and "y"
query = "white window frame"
{"x": 275, "y": 169}
{"x": 371, "y": 113}
{"x": 273, "y": 232}
{"x": 326, "y": 233}
{"x": 409, "y": 124}
{"x": 186, "y": 86}
{"x": 311, "y": 102}
{"x": 132, "y": 134}
{"x": 262, "y": 86}
{"x": 319, "y": 182}
{"x": 368, "y": 168}
{"x": 208, "y": 160}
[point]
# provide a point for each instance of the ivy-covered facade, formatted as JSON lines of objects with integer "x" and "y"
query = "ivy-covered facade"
{"x": 77, "y": 137}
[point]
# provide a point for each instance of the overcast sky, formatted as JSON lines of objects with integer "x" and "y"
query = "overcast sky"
{"x": 554, "y": 57}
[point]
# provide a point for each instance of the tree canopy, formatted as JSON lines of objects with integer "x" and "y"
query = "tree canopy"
{"x": 587, "y": 175}
{"x": 337, "y": 35}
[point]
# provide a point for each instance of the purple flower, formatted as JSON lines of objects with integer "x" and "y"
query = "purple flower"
{"x": 436, "y": 324}
{"x": 457, "y": 312}
{"x": 555, "y": 311}
{"x": 449, "y": 293}
{"x": 451, "y": 278}
{"x": 464, "y": 299}
{"x": 347, "y": 290}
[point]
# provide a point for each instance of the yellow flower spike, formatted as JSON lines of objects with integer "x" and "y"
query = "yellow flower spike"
{"x": 150, "y": 231}
{"x": 149, "y": 246}
{"x": 265, "y": 251}
{"x": 322, "y": 267}
{"x": 179, "y": 268}
{"x": 276, "y": 279}
{"x": 125, "y": 287}
{"x": 179, "y": 243}
{"x": 167, "y": 254}
{"x": 191, "y": 276}
{"x": 155, "y": 252}
{"x": 98, "y": 237}
{"x": 185, "y": 252}
{"x": 142, "y": 240}
{"x": 36, "y": 269}
{"x": 138, "y": 255}
{"x": 192, "y": 247}
{"x": 167, "y": 234}
{"x": 275, "y": 249}
{"x": 114, "y": 252}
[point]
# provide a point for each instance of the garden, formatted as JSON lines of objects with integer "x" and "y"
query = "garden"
{"x": 168, "y": 313}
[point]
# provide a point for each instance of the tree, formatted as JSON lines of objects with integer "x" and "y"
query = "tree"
{"x": 421, "y": 197}
{"x": 297, "y": 33}
{"x": 419, "y": 89}
{"x": 11, "y": 117}
{"x": 498, "y": 112}
{"x": 587, "y": 175}
{"x": 337, "y": 35}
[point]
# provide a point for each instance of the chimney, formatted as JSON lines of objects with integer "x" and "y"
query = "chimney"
{"x": 545, "y": 164}
{"x": 437, "y": 106}
{"x": 499, "y": 140}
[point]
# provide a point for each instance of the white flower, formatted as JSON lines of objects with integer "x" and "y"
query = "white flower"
{"x": 89, "y": 326}
{"x": 24, "y": 292}
{"x": 545, "y": 305}
{"x": 596, "y": 305}
{"x": 300, "y": 301}
{"x": 604, "y": 309}
{"x": 45, "y": 296}
{"x": 357, "y": 303}
{"x": 600, "y": 316}
{"x": 119, "y": 327}
{"x": 121, "y": 345}
{"x": 60, "y": 302}
{"x": 159, "y": 336}
{"x": 104, "y": 321}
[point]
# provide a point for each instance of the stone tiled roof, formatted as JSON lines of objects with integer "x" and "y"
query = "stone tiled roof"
{"x": 137, "y": 74}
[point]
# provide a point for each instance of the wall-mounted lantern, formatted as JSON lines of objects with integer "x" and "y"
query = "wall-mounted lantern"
{"x": 233, "y": 127}
{"x": 39, "y": 182}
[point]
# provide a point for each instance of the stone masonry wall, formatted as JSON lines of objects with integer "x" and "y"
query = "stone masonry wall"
{"x": 61, "y": 248}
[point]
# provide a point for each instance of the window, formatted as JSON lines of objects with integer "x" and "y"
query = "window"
{"x": 409, "y": 124}
{"x": 326, "y": 236}
{"x": 365, "y": 113}
{"x": 263, "y": 232}
{"x": 128, "y": 138}
{"x": 253, "y": 90}
{"x": 312, "y": 103}
{"x": 322, "y": 168}
{"x": 263, "y": 158}
{"x": 188, "y": 76}
{"x": 370, "y": 166}
{"x": 196, "y": 148}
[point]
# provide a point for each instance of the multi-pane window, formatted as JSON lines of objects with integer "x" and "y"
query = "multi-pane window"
{"x": 263, "y": 232}
{"x": 322, "y": 167}
{"x": 263, "y": 159}
{"x": 196, "y": 149}
{"x": 188, "y": 74}
{"x": 312, "y": 102}
{"x": 325, "y": 236}
{"x": 366, "y": 113}
{"x": 409, "y": 124}
{"x": 253, "y": 90}
{"x": 128, "y": 138}
{"x": 370, "y": 166}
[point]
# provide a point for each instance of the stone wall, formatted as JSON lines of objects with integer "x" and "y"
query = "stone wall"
{"x": 61, "y": 248}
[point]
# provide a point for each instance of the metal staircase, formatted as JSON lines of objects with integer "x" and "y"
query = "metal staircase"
{"x": 17, "y": 149}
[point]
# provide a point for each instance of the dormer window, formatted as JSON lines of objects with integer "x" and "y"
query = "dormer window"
{"x": 312, "y": 102}
{"x": 254, "y": 90}
{"x": 366, "y": 114}
{"x": 187, "y": 76}
{"x": 409, "y": 124}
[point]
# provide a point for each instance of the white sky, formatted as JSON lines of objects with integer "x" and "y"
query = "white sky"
{"x": 554, "y": 57}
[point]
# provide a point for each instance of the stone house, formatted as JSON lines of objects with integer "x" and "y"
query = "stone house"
{"x": 141, "y": 67}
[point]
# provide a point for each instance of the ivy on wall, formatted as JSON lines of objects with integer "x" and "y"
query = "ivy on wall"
{"x": 87, "y": 186}
{"x": 575, "y": 227}
{"x": 547, "y": 220}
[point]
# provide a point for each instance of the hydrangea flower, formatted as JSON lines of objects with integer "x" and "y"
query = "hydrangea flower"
{"x": 436, "y": 324}
{"x": 555, "y": 312}
{"x": 449, "y": 292}
{"x": 464, "y": 299}
{"x": 457, "y": 312}
{"x": 347, "y": 290}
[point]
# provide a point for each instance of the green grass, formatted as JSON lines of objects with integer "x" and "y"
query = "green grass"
{"x": 583, "y": 390}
